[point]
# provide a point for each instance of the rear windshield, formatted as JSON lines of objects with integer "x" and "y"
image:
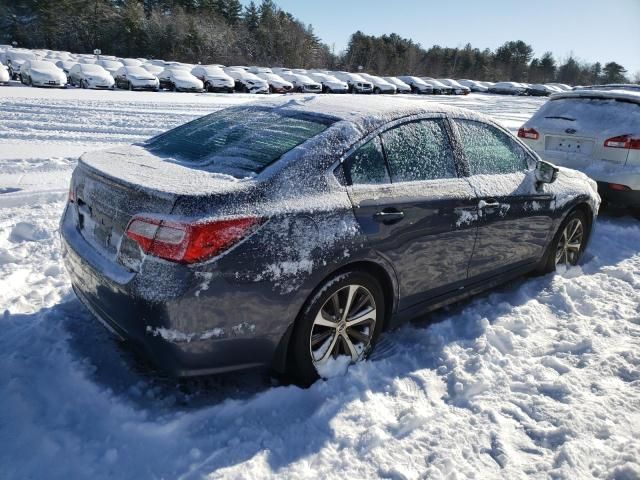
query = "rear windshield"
{"x": 237, "y": 141}
{"x": 596, "y": 111}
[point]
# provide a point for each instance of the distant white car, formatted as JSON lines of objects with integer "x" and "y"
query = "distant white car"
{"x": 88, "y": 60}
{"x": 130, "y": 62}
{"x": 277, "y": 84}
{"x": 257, "y": 70}
{"x": 153, "y": 69}
{"x": 473, "y": 85}
{"x": 508, "y": 88}
{"x": 401, "y": 87}
{"x": 380, "y": 85}
{"x": 66, "y": 66}
{"x": 180, "y": 80}
{"x": 417, "y": 85}
{"x": 280, "y": 70}
{"x": 89, "y": 75}
{"x": 439, "y": 88}
{"x": 136, "y": 78}
{"x": 458, "y": 88}
{"x": 596, "y": 132}
{"x": 356, "y": 83}
{"x": 214, "y": 78}
{"x": 247, "y": 82}
{"x": 330, "y": 84}
{"x": 15, "y": 58}
{"x": 302, "y": 83}
{"x": 4, "y": 74}
{"x": 41, "y": 73}
{"x": 111, "y": 66}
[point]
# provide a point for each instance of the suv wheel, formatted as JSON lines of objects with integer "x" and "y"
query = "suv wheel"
{"x": 343, "y": 318}
{"x": 569, "y": 242}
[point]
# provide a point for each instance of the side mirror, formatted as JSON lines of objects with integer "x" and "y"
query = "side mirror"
{"x": 546, "y": 172}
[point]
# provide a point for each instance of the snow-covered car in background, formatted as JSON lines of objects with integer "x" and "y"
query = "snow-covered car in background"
{"x": 214, "y": 78}
{"x": 281, "y": 70}
{"x": 356, "y": 83}
{"x": 40, "y": 73}
{"x": 439, "y": 88}
{"x": 417, "y": 84}
{"x": 458, "y": 88}
{"x": 562, "y": 86}
{"x": 380, "y": 85}
{"x": 14, "y": 60}
{"x": 130, "y": 62}
{"x": 90, "y": 75}
{"x": 256, "y": 70}
{"x": 247, "y": 82}
{"x": 136, "y": 78}
{"x": 4, "y": 74}
{"x": 302, "y": 83}
{"x": 473, "y": 85}
{"x": 540, "y": 90}
{"x": 153, "y": 69}
{"x": 111, "y": 66}
{"x": 401, "y": 87}
{"x": 596, "y": 132}
{"x": 66, "y": 66}
{"x": 277, "y": 84}
{"x": 330, "y": 84}
{"x": 508, "y": 88}
{"x": 179, "y": 80}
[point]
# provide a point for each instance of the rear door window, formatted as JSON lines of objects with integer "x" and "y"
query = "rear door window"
{"x": 419, "y": 151}
{"x": 238, "y": 141}
{"x": 366, "y": 166}
{"x": 489, "y": 150}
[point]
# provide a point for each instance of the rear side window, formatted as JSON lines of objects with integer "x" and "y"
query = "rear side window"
{"x": 490, "y": 151}
{"x": 237, "y": 141}
{"x": 419, "y": 151}
{"x": 366, "y": 165}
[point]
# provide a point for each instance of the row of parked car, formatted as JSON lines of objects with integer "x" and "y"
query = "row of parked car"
{"x": 46, "y": 68}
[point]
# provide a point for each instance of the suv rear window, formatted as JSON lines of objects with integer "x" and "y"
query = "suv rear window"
{"x": 238, "y": 141}
{"x": 591, "y": 112}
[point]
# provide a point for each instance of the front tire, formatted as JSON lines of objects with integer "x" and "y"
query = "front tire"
{"x": 342, "y": 318}
{"x": 569, "y": 242}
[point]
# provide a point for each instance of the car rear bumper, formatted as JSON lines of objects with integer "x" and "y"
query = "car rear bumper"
{"x": 623, "y": 198}
{"x": 164, "y": 329}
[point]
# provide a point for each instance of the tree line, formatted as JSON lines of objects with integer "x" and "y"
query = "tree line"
{"x": 223, "y": 31}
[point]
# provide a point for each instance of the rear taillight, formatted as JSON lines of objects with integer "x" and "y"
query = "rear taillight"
{"x": 184, "y": 242}
{"x": 619, "y": 187}
{"x": 529, "y": 133}
{"x": 623, "y": 141}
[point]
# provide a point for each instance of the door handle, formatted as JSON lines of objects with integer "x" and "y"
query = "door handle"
{"x": 482, "y": 204}
{"x": 388, "y": 216}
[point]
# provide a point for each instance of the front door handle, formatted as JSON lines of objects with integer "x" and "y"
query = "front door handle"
{"x": 488, "y": 204}
{"x": 388, "y": 215}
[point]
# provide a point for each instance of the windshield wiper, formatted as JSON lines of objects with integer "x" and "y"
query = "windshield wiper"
{"x": 563, "y": 118}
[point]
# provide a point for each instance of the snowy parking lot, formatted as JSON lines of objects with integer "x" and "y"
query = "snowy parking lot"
{"x": 538, "y": 379}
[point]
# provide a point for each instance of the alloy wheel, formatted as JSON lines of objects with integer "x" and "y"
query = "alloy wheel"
{"x": 344, "y": 325}
{"x": 570, "y": 243}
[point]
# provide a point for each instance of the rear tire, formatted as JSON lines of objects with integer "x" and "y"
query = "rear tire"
{"x": 323, "y": 329}
{"x": 568, "y": 244}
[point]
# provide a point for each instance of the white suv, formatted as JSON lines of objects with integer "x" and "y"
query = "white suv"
{"x": 595, "y": 131}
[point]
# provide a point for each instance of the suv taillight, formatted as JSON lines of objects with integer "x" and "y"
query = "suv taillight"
{"x": 529, "y": 133}
{"x": 623, "y": 141}
{"x": 183, "y": 242}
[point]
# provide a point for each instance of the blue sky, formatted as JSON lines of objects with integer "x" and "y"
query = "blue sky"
{"x": 593, "y": 30}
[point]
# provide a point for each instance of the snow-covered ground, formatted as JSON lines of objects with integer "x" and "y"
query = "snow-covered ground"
{"x": 538, "y": 379}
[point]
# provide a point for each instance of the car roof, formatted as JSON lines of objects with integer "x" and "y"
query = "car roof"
{"x": 628, "y": 95}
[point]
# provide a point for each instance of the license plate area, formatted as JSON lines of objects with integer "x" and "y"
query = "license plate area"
{"x": 582, "y": 146}
{"x": 97, "y": 228}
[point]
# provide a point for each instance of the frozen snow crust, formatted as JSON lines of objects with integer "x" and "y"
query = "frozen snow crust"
{"x": 539, "y": 379}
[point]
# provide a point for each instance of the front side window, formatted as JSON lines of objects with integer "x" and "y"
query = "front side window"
{"x": 419, "y": 151}
{"x": 367, "y": 166}
{"x": 489, "y": 150}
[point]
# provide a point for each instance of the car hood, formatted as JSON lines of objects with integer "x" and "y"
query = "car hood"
{"x": 45, "y": 73}
{"x": 142, "y": 77}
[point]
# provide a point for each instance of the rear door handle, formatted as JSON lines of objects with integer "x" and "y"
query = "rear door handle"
{"x": 488, "y": 204}
{"x": 388, "y": 216}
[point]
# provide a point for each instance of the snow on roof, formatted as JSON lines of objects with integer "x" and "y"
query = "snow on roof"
{"x": 629, "y": 95}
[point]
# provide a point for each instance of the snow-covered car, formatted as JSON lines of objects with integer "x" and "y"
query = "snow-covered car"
{"x": 4, "y": 75}
{"x": 277, "y": 84}
{"x": 247, "y": 82}
{"x": 401, "y": 87}
{"x": 281, "y": 70}
{"x": 330, "y": 84}
{"x": 90, "y": 75}
{"x": 540, "y": 90}
{"x": 66, "y": 66}
{"x": 302, "y": 83}
{"x": 153, "y": 69}
{"x": 610, "y": 86}
{"x": 257, "y": 70}
{"x": 214, "y": 78}
{"x": 562, "y": 86}
{"x": 207, "y": 245}
{"x": 380, "y": 85}
{"x": 111, "y": 66}
{"x": 417, "y": 85}
{"x": 439, "y": 88}
{"x": 40, "y": 73}
{"x": 14, "y": 60}
{"x": 180, "y": 80}
{"x": 596, "y": 132}
{"x": 356, "y": 83}
{"x": 458, "y": 88}
{"x": 473, "y": 85}
{"x": 130, "y": 62}
{"x": 508, "y": 88}
{"x": 136, "y": 78}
